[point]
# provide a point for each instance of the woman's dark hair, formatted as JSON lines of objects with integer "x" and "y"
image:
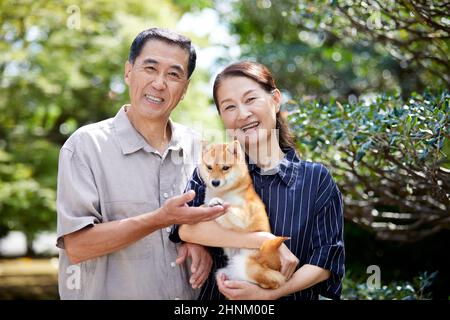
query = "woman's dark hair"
{"x": 261, "y": 75}
{"x": 167, "y": 36}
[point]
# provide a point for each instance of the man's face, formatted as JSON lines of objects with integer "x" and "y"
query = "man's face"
{"x": 157, "y": 80}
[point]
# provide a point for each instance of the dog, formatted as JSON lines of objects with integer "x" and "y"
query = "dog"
{"x": 226, "y": 176}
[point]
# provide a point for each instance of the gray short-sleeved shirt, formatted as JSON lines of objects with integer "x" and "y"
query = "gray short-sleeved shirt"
{"x": 107, "y": 171}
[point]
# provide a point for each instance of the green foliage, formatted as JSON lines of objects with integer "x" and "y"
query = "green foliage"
{"x": 341, "y": 48}
{"x": 188, "y": 5}
{"x": 391, "y": 158}
{"x": 419, "y": 289}
{"x": 24, "y": 203}
{"x": 62, "y": 67}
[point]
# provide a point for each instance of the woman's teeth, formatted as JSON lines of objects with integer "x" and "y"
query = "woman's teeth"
{"x": 250, "y": 126}
{"x": 153, "y": 99}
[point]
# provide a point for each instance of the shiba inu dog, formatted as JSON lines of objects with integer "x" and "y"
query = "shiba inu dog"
{"x": 225, "y": 173}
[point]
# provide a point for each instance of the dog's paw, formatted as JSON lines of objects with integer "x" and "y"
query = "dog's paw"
{"x": 215, "y": 202}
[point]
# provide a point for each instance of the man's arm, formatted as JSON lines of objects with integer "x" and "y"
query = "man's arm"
{"x": 108, "y": 237}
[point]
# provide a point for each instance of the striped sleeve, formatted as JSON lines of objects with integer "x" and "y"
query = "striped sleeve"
{"x": 195, "y": 183}
{"x": 327, "y": 250}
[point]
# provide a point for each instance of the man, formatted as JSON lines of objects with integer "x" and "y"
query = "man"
{"x": 120, "y": 185}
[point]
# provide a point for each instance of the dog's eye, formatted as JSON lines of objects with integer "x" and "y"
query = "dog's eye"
{"x": 225, "y": 168}
{"x": 209, "y": 167}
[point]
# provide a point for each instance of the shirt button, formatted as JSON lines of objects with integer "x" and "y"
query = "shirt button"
{"x": 168, "y": 229}
{"x": 173, "y": 264}
{"x": 165, "y": 195}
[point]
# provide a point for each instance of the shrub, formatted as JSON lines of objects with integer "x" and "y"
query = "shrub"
{"x": 418, "y": 289}
{"x": 390, "y": 158}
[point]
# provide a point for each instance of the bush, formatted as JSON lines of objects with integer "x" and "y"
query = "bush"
{"x": 390, "y": 158}
{"x": 398, "y": 290}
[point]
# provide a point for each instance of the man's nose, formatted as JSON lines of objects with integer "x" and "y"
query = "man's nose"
{"x": 159, "y": 83}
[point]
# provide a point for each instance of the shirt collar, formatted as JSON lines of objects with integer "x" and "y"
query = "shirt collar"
{"x": 286, "y": 169}
{"x": 131, "y": 140}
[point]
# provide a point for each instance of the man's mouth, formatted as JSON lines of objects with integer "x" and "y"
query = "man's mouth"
{"x": 153, "y": 99}
{"x": 251, "y": 125}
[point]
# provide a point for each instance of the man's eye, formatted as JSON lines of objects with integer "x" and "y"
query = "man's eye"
{"x": 150, "y": 68}
{"x": 209, "y": 167}
{"x": 175, "y": 75}
{"x": 225, "y": 168}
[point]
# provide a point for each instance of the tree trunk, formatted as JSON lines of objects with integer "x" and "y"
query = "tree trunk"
{"x": 30, "y": 250}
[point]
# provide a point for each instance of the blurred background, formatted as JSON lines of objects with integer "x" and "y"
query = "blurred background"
{"x": 365, "y": 87}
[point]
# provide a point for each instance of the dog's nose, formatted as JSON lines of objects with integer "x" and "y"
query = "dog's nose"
{"x": 215, "y": 183}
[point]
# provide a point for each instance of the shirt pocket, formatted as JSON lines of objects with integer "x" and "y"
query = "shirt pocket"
{"x": 143, "y": 248}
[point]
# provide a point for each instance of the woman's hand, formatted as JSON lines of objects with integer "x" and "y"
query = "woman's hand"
{"x": 289, "y": 261}
{"x": 242, "y": 290}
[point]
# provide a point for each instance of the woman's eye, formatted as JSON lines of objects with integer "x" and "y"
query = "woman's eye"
{"x": 225, "y": 168}
{"x": 230, "y": 107}
{"x": 250, "y": 99}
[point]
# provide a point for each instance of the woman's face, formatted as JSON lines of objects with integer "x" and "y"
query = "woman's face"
{"x": 248, "y": 110}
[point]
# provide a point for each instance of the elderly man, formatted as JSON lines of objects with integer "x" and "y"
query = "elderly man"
{"x": 120, "y": 187}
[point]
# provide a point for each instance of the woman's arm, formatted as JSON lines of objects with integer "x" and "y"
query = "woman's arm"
{"x": 305, "y": 277}
{"x": 212, "y": 234}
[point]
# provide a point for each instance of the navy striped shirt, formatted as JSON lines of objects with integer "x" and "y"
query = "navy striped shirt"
{"x": 303, "y": 203}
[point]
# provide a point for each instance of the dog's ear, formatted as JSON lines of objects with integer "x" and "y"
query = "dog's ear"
{"x": 272, "y": 245}
{"x": 205, "y": 145}
{"x": 269, "y": 254}
{"x": 234, "y": 148}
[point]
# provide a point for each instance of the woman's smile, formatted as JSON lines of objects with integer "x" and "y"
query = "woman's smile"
{"x": 250, "y": 127}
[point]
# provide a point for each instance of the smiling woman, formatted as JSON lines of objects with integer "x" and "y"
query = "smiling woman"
{"x": 250, "y": 112}
{"x": 248, "y": 102}
{"x": 301, "y": 198}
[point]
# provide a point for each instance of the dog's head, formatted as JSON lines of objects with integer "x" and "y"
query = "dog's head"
{"x": 222, "y": 165}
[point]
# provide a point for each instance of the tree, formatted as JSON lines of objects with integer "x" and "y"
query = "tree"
{"x": 24, "y": 203}
{"x": 345, "y": 48}
{"x": 415, "y": 32}
{"x": 61, "y": 67}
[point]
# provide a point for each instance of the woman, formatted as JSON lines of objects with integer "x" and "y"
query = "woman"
{"x": 301, "y": 198}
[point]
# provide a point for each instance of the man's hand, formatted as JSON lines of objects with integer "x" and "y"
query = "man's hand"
{"x": 289, "y": 261}
{"x": 201, "y": 262}
{"x": 176, "y": 211}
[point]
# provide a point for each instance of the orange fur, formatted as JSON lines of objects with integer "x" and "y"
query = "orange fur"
{"x": 226, "y": 176}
